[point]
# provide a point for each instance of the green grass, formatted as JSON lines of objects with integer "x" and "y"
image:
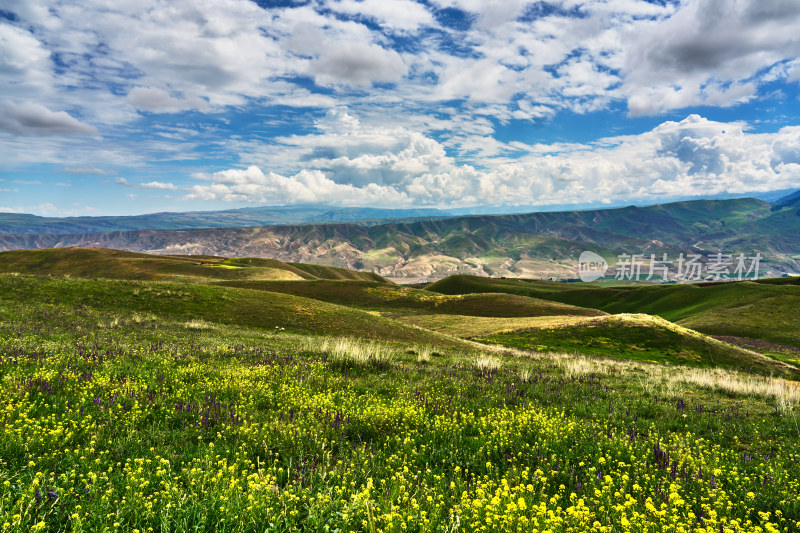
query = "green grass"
{"x": 117, "y": 264}
{"x": 23, "y": 297}
{"x": 398, "y": 299}
{"x": 474, "y": 326}
{"x": 640, "y": 338}
{"x": 173, "y": 406}
{"x": 765, "y": 310}
{"x": 175, "y": 424}
{"x": 465, "y": 284}
{"x": 746, "y": 309}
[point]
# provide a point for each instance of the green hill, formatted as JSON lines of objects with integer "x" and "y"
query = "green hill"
{"x": 118, "y": 264}
{"x": 398, "y": 299}
{"x": 744, "y": 309}
{"x": 638, "y": 337}
{"x": 109, "y": 300}
{"x": 466, "y": 284}
{"x": 764, "y": 310}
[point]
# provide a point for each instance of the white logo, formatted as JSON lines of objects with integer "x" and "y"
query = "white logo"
{"x": 591, "y": 266}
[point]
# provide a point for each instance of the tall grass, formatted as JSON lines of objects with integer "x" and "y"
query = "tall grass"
{"x": 424, "y": 354}
{"x": 672, "y": 380}
{"x": 347, "y": 351}
{"x": 487, "y": 364}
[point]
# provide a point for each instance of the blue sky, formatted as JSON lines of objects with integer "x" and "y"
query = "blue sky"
{"x": 132, "y": 106}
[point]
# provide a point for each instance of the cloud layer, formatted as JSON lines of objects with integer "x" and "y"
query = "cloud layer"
{"x": 353, "y": 164}
{"x": 401, "y": 101}
{"x": 566, "y": 54}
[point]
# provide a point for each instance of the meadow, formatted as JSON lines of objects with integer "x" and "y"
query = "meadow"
{"x": 157, "y": 405}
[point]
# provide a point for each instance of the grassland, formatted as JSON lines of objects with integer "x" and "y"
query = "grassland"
{"x": 113, "y": 301}
{"x": 396, "y": 299}
{"x": 117, "y": 264}
{"x": 764, "y": 310}
{"x": 179, "y": 406}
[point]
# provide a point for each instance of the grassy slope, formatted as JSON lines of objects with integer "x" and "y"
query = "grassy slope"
{"x": 465, "y": 284}
{"x": 257, "y": 436}
{"x": 746, "y": 309}
{"x": 393, "y": 298}
{"x": 765, "y": 311}
{"x": 642, "y": 338}
{"x": 117, "y": 264}
{"x": 625, "y": 336}
{"x": 192, "y": 302}
{"x": 480, "y": 326}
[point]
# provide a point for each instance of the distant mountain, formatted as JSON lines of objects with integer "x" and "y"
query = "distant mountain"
{"x": 789, "y": 200}
{"x": 14, "y": 223}
{"x": 773, "y": 196}
{"x": 20, "y": 223}
{"x": 531, "y": 245}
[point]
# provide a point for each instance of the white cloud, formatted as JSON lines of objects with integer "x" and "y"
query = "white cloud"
{"x": 707, "y": 52}
{"x": 350, "y": 163}
{"x": 490, "y": 13}
{"x": 357, "y": 64}
{"x": 49, "y": 209}
{"x": 149, "y": 185}
{"x": 210, "y": 54}
{"x": 307, "y": 186}
{"x": 24, "y": 62}
{"x": 28, "y": 118}
{"x": 84, "y": 169}
{"x": 159, "y": 100}
{"x": 404, "y": 15}
{"x": 428, "y": 96}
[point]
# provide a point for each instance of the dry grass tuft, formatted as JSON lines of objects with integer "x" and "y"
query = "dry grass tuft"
{"x": 198, "y": 325}
{"x": 672, "y": 380}
{"x": 349, "y": 351}
{"x": 424, "y": 355}
{"x": 486, "y": 363}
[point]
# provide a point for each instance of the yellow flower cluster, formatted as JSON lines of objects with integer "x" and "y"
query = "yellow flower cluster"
{"x": 181, "y": 444}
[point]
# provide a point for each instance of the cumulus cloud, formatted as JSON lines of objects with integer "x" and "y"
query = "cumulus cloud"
{"x": 357, "y": 64}
{"x": 353, "y": 164}
{"x": 707, "y": 52}
{"x": 28, "y": 118}
{"x": 429, "y": 89}
{"x": 490, "y": 13}
{"x": 24, "y": 61}
{"x": 404, "y": 15}
{"x": 570, "y": 54}
{"x": 307, "y": 186}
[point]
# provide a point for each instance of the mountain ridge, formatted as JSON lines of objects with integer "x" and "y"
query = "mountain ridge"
{"x": 543, "y": 244}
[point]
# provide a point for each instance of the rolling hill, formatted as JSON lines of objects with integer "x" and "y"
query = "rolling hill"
{"x": 109, "y": 286}
{"x": 110, "y": 301}
{"x": 764, "y": 310}
{"x": 118, "y": 264}
{"x": 639, "y": 337}
{"x": 394, "y": 299}
{"x": 363, "y": 290}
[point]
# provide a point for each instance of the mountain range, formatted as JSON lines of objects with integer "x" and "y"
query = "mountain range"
{"x": 19, "y": 223}
{"x": 430, "y": 244}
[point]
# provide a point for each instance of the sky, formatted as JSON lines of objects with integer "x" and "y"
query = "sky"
{"x": 117, "y": 107}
